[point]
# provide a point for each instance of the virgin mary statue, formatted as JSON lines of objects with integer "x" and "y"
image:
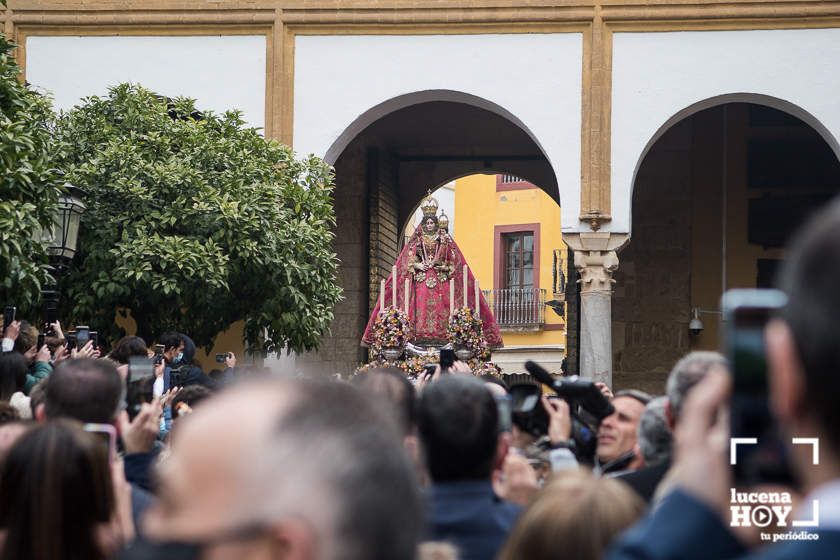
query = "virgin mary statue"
{"x": 435, "y": 269}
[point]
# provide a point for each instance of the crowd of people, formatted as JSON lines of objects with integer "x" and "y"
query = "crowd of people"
{"x": 138, "y": 454}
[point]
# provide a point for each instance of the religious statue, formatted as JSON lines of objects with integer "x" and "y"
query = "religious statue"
{"x": 429, "y": 281}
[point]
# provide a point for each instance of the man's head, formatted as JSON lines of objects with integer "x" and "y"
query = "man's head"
{"x": 82, "y": 389}
{"x": 312, "y": 469}
{"x": 390, "y": 387}
{"x": 685, "y": 374}
{"x": 173, "y": 344}
{"x": 655, "y": 437}
{"x": 617, "y": 433}
{"x": 804, "y": 347}
{"x": 458, "y": 423}
{"x": 26, "y": 341}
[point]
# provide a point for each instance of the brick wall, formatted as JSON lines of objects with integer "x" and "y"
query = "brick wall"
{"x": 651, "y": 303}
{"x": 383, "y": 208}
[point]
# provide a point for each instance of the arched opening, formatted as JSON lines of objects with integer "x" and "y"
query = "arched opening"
{"x": 716, "y": 195}
{"x": 385, "y": 162}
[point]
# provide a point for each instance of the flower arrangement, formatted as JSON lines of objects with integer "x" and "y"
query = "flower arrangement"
{"x": 391, "y": 330}
{"x": 466, "y": 330}
{"x": 487, "y": 367}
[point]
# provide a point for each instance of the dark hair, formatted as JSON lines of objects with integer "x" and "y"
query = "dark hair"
{"x": 191, "y": 395}
{"x": 336, "y": 420}
{"x": 129, "y": 346}
{"x": 389, "y": 385}
{"x": 169, "y": 340}
{"x": 8, "y": 413}
{"x": 27, "y": 338}
{"x": 810, "y": 277}
{"x": 13, "y": 368}
{"x": 457, "y": 417}
{"x": 55, "y": 488}
{"x": 85, "y": 390}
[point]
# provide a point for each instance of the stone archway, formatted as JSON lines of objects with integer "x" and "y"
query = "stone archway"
{"x": 717, "y": 192}
{"x": 385, "y": 161}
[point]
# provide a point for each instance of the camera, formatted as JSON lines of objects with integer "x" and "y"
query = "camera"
{"x": 587, "y": 405}
{"x": 220, "y": 358}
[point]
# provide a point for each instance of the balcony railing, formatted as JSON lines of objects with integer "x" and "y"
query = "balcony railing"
{"x": 517, "y": 307}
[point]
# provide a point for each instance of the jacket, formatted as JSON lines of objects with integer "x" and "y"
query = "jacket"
{"x": 470, "y": 515}
{"x": 37, "y": 372}
{"x": 686, "y": 529}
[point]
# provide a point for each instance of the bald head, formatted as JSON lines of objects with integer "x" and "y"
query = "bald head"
{"x": 266, "y": 453}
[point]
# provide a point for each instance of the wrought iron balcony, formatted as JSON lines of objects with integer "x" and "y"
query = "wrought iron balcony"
{"x": 517, "y": 308}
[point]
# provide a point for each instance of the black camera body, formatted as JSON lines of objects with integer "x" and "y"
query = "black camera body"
{"x": 587, "y": 405}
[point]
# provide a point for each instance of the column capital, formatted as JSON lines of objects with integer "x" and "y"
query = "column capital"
{"x": 596, "y": 271}
{"x": 596, "y": 258}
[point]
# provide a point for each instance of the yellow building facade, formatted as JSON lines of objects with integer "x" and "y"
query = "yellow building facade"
{"x": 509, "y": 232}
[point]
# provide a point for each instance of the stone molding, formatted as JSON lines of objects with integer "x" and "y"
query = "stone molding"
{"x": 595, "y": 259}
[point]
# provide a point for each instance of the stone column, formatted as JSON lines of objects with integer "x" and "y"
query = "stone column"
{"x": 595, "y": 261}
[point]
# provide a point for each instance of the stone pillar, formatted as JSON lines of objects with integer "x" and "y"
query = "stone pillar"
{"x": 595, "y": 262}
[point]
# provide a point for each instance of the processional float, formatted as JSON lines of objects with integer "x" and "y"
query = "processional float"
{"x": 431, "y": 299}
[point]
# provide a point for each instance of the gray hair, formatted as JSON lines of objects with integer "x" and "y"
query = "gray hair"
{"x": 326, "y": 460}
{"x": 655, "y": 438}
{"x": 686, "y": 373}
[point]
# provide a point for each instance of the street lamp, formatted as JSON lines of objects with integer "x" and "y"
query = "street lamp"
{"x": 63, "y": 238}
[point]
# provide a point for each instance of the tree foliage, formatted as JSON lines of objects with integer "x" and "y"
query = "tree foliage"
{"x": 29, "y": 185}
{"x": 195, "y": 221}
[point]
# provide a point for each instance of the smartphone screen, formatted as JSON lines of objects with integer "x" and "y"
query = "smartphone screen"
{"x": 82, "y": 336}
{"x": 504, "y": 404}
{"x": 9, "y": 316}
{"x": 447, "y": 358}
{"x": 746, "y": 313}
{"x": 140, "y": 367}
{"x": 94, "y": 336}
{"x": 141, "y": 372}
{"x": 107, "y": 434}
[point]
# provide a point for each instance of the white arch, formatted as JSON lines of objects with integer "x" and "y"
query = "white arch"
{"x": 754, "y": 98}
{"x": 415, "y": 98}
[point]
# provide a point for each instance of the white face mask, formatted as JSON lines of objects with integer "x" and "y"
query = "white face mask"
{"x": 178, "y": 357}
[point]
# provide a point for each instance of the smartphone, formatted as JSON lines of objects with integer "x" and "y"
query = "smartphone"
{"x": 158, "y": 353}
{"x": 220, "y": 358}
{"x": 41, "y": 338}
{"x": 71, "y": 340}
{"x": 108, "y": 435}
{"x": 447, "y": 359}
{"x": 50, "y": 310}
{"x": 82, "y": 336}
{"x": 139, "y": 385}
{"x": 140, "y": 367}
{"x": 94, "y": 336}
{"x": 9, "y": 316}
{"x": 504, "y": 404}
{"x": 745, "y": 315}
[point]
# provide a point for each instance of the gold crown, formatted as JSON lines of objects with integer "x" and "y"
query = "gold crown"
{"x": 443, "y": 221}
{"x": 429, "y": 206}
